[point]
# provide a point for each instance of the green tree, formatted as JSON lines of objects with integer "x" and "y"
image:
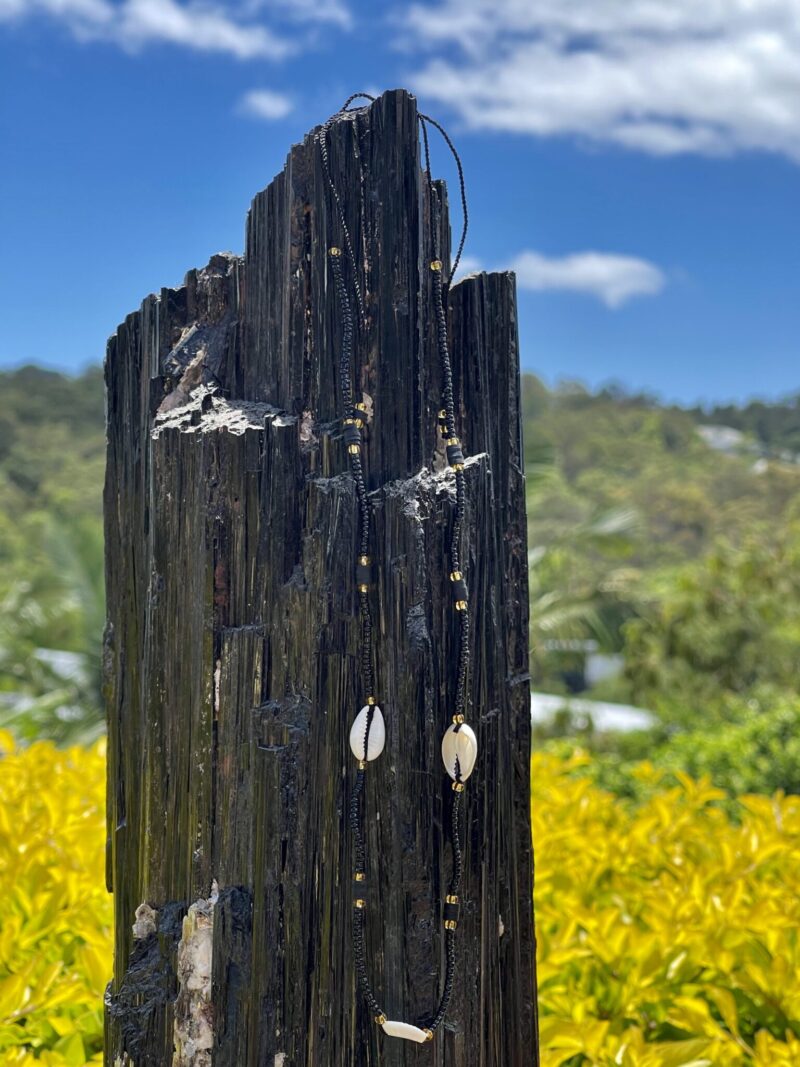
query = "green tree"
{"x": 718, "y": 629}
{"x": 51, "y": 553}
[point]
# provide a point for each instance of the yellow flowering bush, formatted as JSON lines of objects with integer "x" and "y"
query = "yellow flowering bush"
{"x": 55, "y": 913}
{"x": 668, "y": 935}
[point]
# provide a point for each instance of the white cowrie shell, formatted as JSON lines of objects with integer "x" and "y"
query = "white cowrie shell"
{"x": 462, "y": 744}
{"x": 377, "y": 733}
{"x": 406, "y": 1030}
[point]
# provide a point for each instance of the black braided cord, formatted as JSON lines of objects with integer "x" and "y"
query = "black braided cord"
{"x": 353, "y": 417}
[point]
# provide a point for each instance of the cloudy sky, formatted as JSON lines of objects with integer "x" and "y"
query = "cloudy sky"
{"x": 637, "y": 162}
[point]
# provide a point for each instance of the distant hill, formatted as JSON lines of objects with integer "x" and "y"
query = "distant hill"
{"x": 611, "y": 451}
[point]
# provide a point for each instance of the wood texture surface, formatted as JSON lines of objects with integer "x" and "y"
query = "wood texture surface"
{"x": 231, "y": 652}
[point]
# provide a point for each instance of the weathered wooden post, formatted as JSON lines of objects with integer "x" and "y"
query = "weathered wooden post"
{"x": 232, "y": 642}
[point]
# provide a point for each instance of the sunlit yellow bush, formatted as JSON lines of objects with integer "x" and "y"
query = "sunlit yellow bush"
{"x": 667, "y": 936}
{"x": 55, "y": 913}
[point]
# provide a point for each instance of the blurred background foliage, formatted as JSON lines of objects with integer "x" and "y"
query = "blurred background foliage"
{"x": 668, "y": 538}
{"x": 667, "y": 928}
{"x": 52, "y": 458}
{"x": 56, "y": 921}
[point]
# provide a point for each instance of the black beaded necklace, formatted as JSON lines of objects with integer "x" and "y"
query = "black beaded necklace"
{"x": 368, "y": 732}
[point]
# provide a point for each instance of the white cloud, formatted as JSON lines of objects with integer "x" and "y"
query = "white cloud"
{"x": 265, "y": 104}
{"x": 660, "y": 76}
{"x": 611, "y": 278}
{"x": 213, "y": 26}
{"x": 75, "y": 12}
{"x": 316, "y": 11}
{"x": 206, "y": 29}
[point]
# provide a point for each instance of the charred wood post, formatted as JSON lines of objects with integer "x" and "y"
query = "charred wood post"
{"x": 231, "y": 652}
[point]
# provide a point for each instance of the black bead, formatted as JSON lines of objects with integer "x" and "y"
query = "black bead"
{"x": 459, "y": 589}
{"x": 363, "y": 574}
{"x": 352, "y": 434}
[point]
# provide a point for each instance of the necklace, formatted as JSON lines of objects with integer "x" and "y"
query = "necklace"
{"x": 368, "y": 731}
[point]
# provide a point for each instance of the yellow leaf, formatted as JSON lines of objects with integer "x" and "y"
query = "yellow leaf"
{"x": 726, "y": 1003}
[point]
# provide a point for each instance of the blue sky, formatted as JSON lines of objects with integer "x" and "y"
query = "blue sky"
{"x": 638, "y": 163}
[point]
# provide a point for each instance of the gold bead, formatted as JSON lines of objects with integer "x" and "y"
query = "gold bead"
{"x": 436, "y": 264}
{"x": 442, "y": 413}
{"x": 359, "y": 876}
{"x": 428, "y": 1033}
{"x": 452, "y": 441}
{"x": 361, "y": 406}
{"x": 353, "y": 422}
{"x": 363, "y": 588}
{"x": 456, "y": 576}
{"x": 461, "y": 605}
{"x": 370, "y": 700}
{"x": 380, "y": 1019}
{"x": 450, "y": 924}
{"x": 334, "y": 251}
{"x": 451, "y": 898}
{"x": 353, "y": 449}
{"x": 362, "y": 764}
{"x": 359, "y": 903}
{"x": 458, "y": 719}
{"x": 458, "y": 466}
{"x": 364, "y": 561}
{"x": 458, "y": 787}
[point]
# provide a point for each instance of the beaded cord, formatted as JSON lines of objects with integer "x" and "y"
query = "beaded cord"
{"x": 352, "y": 422}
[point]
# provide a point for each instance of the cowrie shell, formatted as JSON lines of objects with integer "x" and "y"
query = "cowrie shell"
{"x": 459, "y": 743}
{"x": 406, "y": 1030}
{"x": 377, "y": 733}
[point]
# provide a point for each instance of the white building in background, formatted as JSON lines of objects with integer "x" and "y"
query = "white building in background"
{"x": 603, "y": 717}
{"x": 722, "y": 438}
